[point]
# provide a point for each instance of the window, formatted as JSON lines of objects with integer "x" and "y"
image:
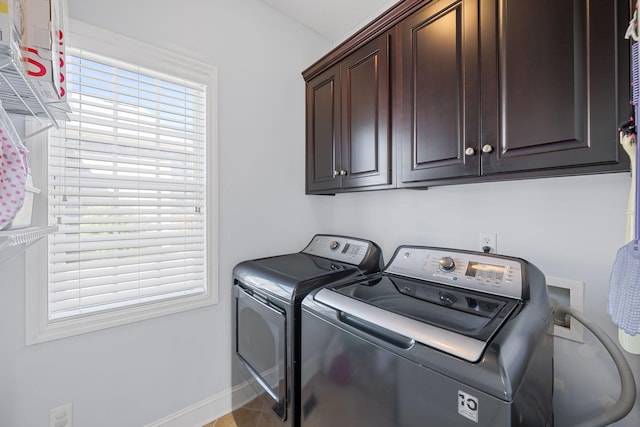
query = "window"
{"x": 129, "y": 187}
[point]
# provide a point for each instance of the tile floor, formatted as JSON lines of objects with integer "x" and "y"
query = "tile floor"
{"x": 343, "y": 411}
{"x": 252, "y": 414}
{"x": 226, "y": 421}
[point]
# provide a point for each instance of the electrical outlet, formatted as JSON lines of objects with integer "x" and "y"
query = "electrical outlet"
{"x": 489, "y": 242}
{"x": 62, "y": 416}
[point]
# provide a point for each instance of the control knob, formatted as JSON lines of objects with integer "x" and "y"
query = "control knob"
{"x": 334, "y": 245}
{"x": 447, "y": 263}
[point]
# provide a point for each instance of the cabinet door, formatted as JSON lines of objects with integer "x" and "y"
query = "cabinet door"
{"x": 439, "y": 83}
{"x": 366, "y": 134}
{"x": 323, "y": 131}
{"x": 550, "y": 86}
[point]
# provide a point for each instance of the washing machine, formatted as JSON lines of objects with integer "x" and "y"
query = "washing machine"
{"x": 268, "y": 293}
{"x": 441, "y": 337}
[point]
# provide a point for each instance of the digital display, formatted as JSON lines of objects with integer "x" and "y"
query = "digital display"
{"x": 352, "y": 250}
{"x": 486, "y": 271}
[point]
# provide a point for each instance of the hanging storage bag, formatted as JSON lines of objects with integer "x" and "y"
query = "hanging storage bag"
{"x": 13, "y": 174}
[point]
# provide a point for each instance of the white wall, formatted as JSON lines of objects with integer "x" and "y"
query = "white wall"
{"x": 133, "y": 375}
{"x": 136, "y": 374}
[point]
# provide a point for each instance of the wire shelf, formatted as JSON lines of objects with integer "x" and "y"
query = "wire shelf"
{"x": 14, "y": 242}
{"x": 16, "y": 92}
{"x": 24, "y": 235}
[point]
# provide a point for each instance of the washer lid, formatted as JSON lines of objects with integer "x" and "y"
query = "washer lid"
{"x": 291, "y": 276}
{"x": 457, "y": 321}
{"x": 326, "y": 259}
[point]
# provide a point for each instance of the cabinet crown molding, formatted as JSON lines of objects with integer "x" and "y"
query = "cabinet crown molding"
{"x": 379, "y": 25}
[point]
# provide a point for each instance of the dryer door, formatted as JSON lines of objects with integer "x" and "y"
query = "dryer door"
{"x": 261, "y": 344}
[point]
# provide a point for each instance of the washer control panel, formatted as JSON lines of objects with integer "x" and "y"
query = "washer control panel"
{"x": 338, "y": 248}
{"x": 492, "y": 274}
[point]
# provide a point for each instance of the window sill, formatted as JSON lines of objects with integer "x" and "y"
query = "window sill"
{"x": 40, "y": 329}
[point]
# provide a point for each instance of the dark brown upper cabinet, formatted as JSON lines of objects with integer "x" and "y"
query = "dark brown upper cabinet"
{"x": 468, "y": 91}
{"x": 440, "y": 91}
{"x": 348, "y": 122}
{"x": 536, "y": 89}
{"x": 551, "y": 79}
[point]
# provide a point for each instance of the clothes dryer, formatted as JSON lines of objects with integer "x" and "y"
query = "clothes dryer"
{"x": 268, "y": 293}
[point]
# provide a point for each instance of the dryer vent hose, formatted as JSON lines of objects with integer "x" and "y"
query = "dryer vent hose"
{"x": 627, "y": 384}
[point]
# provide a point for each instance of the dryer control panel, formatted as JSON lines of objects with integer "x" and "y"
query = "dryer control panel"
{"x": 492, "y": 274}
{"x": 339, "y": 248}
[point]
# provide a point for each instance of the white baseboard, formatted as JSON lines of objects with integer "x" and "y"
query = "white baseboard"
{"x": 207, "y": 410}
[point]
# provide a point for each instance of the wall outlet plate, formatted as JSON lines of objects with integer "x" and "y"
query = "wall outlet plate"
{"x": 489, "y": 240}
{"x": 62, "y": 416}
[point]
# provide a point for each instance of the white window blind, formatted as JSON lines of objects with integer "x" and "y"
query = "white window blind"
{"x": 127, "y": 189}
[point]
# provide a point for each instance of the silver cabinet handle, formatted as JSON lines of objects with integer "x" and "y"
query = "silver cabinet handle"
{"x": 336, "y": 173}
{"x": 343, "y": 172}
{"x": 487, "y": 148}
{"x": 470, "y": 151}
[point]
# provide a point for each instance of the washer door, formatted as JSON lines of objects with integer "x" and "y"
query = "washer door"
{"x": 261, "y": 344}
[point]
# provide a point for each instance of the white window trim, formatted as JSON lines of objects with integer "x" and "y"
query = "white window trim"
{"x": 99, "y": 41}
